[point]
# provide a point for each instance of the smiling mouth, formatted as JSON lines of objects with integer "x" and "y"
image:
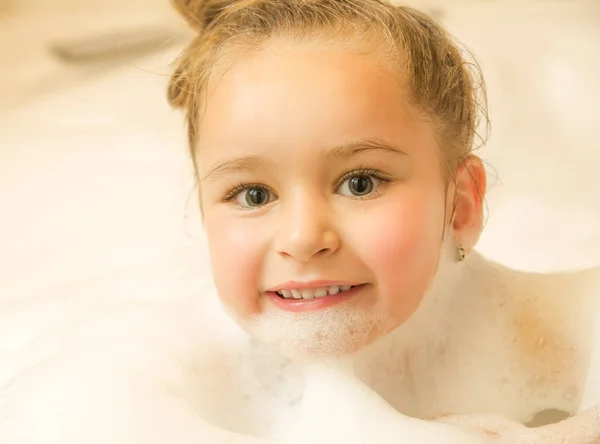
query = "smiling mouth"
{"x": 314, "y": 293}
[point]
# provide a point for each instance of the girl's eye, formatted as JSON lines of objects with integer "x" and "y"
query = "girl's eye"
{"x": 359, "y": 186}
{"x": 253, "y": 197}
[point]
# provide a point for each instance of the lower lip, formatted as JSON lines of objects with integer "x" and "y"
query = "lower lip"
{"x": 303, "y": 305}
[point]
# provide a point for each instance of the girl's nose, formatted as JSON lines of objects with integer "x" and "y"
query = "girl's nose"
{"x": 307, "y": 230}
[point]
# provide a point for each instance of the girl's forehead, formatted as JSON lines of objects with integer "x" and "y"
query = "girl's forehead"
{"x": 304, "y": 97}
{"x": 316, "y": 75}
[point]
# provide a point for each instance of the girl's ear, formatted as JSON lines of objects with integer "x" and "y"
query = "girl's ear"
{"x": 468, "y": 199}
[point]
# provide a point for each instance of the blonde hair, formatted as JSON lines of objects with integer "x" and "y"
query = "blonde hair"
{"x": 441, "y": 83}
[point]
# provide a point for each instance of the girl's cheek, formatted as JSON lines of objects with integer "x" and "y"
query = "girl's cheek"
{"x": 402, "y": 249}
{"x": 235, "y": 252}
{"x": 403, "y": 236}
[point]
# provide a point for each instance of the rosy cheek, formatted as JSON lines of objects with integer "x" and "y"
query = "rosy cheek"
{"x": 395, "y": 243}
{"x": 236, "y": 261}
{"x": 402, "y": 235}
{"x": 403, "y": 252}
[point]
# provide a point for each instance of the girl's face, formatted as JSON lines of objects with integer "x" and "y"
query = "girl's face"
{"x": 314, "y": 178}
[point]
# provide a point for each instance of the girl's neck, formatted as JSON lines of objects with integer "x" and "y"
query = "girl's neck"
{"x": 459, "y": 295}
{"x": 483, "y": 335}
{"x": 465, "y": 313}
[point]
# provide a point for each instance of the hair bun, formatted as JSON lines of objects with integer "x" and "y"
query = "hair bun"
{"x": 201, "y": 13}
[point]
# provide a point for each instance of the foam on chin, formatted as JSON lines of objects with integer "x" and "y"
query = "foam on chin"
{"x": 329, "y": 333}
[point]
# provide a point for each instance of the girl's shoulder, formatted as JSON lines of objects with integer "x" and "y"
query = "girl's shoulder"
{"x": 554, "y": 317}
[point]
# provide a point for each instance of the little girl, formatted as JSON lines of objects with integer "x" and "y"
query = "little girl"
{"x": 332, "y": 142}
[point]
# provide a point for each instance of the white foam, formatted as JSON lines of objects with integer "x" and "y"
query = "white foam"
{"x": 309, "y": 336}
{"x": 338, "y": 407}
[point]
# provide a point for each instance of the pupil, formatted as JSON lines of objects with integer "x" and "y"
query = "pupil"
{"x": 361, "y": 185}
{"x": 256, "y": 196}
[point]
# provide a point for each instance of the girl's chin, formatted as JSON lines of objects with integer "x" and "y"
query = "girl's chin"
{"x": 336, "y": 331}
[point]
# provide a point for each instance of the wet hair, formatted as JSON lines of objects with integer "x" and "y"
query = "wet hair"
{"x": 442, "y": 85}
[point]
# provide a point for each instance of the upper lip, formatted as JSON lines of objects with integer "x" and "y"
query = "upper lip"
{"x": 297, "y": 285}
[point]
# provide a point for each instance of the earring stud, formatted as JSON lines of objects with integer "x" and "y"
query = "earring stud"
{"x": 461, "y": 254}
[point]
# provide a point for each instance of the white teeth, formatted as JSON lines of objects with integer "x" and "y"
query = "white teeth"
{"x": 319, "y": 293}
{"x": 308, "y": 294}
{"x": 314, "y": 292}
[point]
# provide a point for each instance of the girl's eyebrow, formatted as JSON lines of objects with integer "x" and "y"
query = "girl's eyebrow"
{"x": 249, "y": 163}
{"x": 367, "y": 145}
{"x": 236, "y": 165}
